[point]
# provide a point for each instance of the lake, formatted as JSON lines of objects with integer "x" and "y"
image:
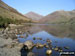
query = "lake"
{"x": 60, "y": 35}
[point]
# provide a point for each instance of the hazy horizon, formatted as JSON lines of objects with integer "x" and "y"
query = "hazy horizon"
{"x": 42, "y": 7}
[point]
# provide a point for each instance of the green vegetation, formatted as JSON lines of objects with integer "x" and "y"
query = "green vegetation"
{"x": 5, "y": 21}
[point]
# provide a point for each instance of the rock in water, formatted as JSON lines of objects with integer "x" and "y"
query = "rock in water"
{"x": 48, "y": 52}
{"x": 56, "y": 49}
{"x": 34, "y": 38}
{"x": 39, "y": 45}
{"x": 21, "y": 36}
{"x": 48, "y": 41}
{"x": 29, "y": 44}
{"x": 47, "y": 46}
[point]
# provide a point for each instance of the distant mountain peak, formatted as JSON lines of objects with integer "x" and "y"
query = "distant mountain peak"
{"x": 31, "y": 12}
{"x": 33, "y": 15}
{"x": 61, "y": 10}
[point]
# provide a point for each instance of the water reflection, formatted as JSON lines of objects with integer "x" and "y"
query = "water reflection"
{"x": 60, "y": 30}
{"x": 56, "y": 30}
{"x": 61, "y": 35}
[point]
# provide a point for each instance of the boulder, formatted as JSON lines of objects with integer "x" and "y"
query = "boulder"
{"x": 29, "y": 44}
{"x": 12, "y": 26}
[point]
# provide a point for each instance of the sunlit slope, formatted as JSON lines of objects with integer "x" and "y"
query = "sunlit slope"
{"x": 9, "y": 12}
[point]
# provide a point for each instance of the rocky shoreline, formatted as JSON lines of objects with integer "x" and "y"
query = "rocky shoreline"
{"x": 10, "y": 45}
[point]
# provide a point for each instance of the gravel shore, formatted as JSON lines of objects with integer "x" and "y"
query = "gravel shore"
{"x": 4, "y": 51}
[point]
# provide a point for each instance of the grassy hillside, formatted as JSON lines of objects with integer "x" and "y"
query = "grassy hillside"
{"x": 7, "y": 7}
{"x": 10, "y": 15}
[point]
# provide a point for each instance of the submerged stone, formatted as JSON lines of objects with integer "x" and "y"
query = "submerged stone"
{"x": 48, "y": 41}
{"x": 26, "y": 35}
{"x": 66, "y": 47}
{"x": 34, "y": 38}
{"x": 39, "y": 38}
{"x": 21, "y": 36}
{"x": 56, "y": 41}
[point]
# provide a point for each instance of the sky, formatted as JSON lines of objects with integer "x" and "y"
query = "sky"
{"x": 42, "y": 7}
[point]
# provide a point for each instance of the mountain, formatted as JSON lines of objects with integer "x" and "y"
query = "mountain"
{"x": 8, "y": 12}
{"x": 59, "y": 17}
{"x": 33, "y": 16}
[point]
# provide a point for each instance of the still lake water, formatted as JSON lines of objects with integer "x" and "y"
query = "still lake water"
{"x": 62, "y": 34}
